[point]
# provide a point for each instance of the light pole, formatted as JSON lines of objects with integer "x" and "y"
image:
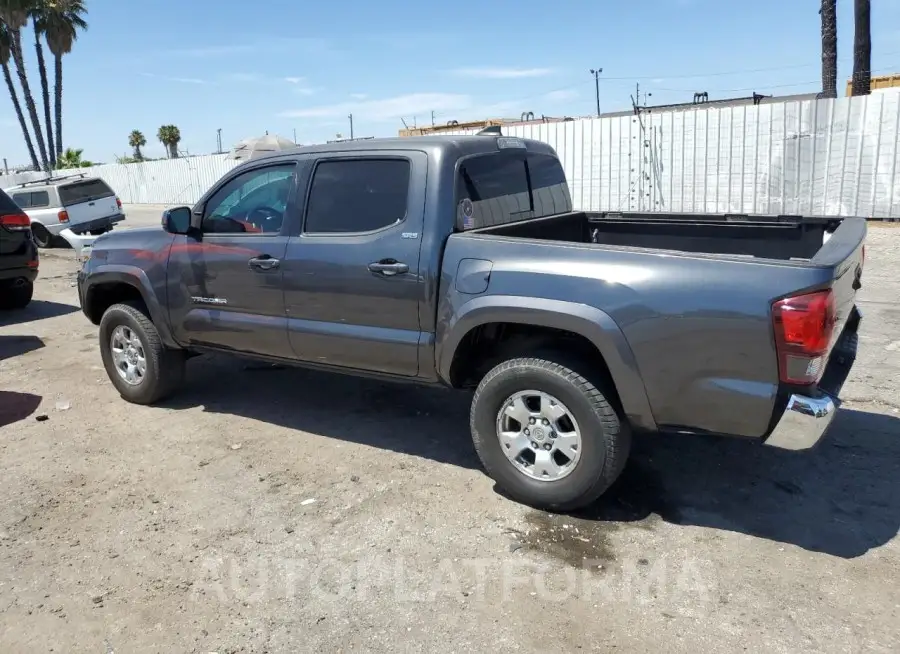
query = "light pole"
{"x": 596, "y": 73}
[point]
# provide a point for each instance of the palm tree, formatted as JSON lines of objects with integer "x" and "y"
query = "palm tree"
{"x": 71, "y": 158}
{"x": 37, "y": 14}
{"x": 862, "y": 48}
{"x": 5, "y": 54}
{"x": 61, "y": 21}
{"x": 15, "y": 14}
{"x": 137, "y": 141}
{"x": 169, "y": 136}
{"x": 828, "y": 12}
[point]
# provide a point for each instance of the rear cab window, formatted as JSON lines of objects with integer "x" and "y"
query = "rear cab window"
{"x": 84, "y": 191}
{"x": 508, "y": 186}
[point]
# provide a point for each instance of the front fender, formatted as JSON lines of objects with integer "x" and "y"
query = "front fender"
{"x": 591, "y": 323}
{"x": 136, "y": 278}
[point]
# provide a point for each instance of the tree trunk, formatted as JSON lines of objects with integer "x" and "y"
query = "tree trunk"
{"x": 862, "y": 47}
{"x": 45, "y": 93}
{"x": 58, "y": 88}
{"x": 137, "y": 153}
{"x": 29, "y": 98}
{"x": 173, "y": 150}
{"x": 828, "y": 11}
{"x": 18, "y": 107}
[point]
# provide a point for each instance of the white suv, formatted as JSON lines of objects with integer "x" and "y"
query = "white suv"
{"x": 77, "y": 202}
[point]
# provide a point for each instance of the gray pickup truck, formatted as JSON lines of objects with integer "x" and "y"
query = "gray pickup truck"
{"x": 458, "y": 261}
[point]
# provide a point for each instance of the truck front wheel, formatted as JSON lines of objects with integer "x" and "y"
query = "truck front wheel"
{"x": 141, "y": 368}
{"x": 547, "y": 435}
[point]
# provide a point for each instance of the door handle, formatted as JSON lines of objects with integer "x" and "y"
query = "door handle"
{"x": 388, "y": 267}
{"x": 263, "y": 263}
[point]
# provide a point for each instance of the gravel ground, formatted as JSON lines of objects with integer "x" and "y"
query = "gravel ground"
{"x": 279, "y": 510}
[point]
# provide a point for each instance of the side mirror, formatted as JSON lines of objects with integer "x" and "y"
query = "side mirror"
{"x": 177, "y": 220}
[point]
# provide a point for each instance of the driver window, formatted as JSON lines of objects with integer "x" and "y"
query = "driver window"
{"x": 254, "y": 202}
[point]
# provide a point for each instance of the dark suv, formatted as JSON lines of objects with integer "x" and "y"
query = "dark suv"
{"x": 18, "y": 256}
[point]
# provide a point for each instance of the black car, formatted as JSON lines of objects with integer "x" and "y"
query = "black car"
{"x": 18, "y": 256}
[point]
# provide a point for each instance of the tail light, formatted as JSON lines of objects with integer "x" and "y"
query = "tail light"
{"x": 15, "y": 222}
{"x": 118, "y": 203}
{"x": 63, "y": 216}
{"x": 804, "y": 325}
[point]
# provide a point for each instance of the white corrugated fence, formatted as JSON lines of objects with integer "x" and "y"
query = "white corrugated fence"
{"x": 817, "y": 157}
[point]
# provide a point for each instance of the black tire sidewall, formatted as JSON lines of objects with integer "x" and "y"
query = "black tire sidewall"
{"x": 113, "y": 318}
{"x": 38, "y": 229}
{"x": 594, "y": 436}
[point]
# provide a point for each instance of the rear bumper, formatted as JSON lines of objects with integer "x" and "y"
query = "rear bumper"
{"x": 15, "y": 275}
{"x": 807, "y": 417}
{"x": 99, "y": 223}
{"x": 804, "y": 422}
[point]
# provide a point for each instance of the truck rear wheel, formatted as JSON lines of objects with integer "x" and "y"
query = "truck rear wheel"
{"x": 547, "y": 435}
{"x": 141, "y": 368}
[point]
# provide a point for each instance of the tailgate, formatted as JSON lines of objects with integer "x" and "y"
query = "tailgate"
{"x": 87, "y": 200}
{"x": 844, "y": 253}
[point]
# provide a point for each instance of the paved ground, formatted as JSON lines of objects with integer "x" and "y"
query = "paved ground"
{"x": 277, "y": 510}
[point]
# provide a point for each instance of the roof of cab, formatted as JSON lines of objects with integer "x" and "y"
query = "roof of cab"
{"x": 462, "y": 145}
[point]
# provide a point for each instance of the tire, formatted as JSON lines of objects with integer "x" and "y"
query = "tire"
{"x": 605, "y": 439}
{"x": 164, "y": 368}
{"x": 16, "y": 297}
{"x": 42, "y": 238}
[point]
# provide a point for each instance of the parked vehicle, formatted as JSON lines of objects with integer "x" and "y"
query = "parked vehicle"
{"x": 459, "y": 261}
{"x": 86, "y": 205}
{"x": 18, "y": 256}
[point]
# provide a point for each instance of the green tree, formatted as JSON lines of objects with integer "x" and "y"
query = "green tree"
{"x": 828, "y": 13}
{"x": 61, "y": 20}
{"x": 15, "y": 14}
{"x": 71, "y": 158}
{"x": 170, "y": 136}
{"x": 136, "y": 140}
{"x": 5, "y": 55}
{"x": 862, "y": 48}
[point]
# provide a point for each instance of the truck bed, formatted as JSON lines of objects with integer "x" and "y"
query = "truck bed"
{"x": 770, "y": 237}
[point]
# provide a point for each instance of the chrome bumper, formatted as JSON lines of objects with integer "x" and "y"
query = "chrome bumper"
{"x": 804, "y": 422}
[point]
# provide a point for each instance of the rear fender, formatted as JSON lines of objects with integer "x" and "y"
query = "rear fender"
{"x": 591, "y": 323}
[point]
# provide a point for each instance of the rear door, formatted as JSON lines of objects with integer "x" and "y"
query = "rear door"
{"x": 86, "y": 200}
{"x": 352, "y": 283}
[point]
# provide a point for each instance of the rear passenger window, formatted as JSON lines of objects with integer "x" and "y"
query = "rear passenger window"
{"x": 32, "y": 199}
{"x": 23, "y": 200}
{"x": 360, "y": 195}
{"x": 40, "y": 199}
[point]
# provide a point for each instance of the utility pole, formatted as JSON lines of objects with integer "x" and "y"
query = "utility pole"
{"x": 596, "y": 73}
{"x": 432, "y": 117}
{"x": 295, "y": 136}
{"x": 351, "y": 126}
{"x": 219, "y": 141}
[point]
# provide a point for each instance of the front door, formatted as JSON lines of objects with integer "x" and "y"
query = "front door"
{"x": 225, "y": 286}
{"x": 352, "y": 283}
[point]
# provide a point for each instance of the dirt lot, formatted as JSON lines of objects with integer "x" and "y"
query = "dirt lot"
{"x": 278, "y": 510}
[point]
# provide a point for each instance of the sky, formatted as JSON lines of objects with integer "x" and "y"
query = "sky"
{"x": 291, "y": 67}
